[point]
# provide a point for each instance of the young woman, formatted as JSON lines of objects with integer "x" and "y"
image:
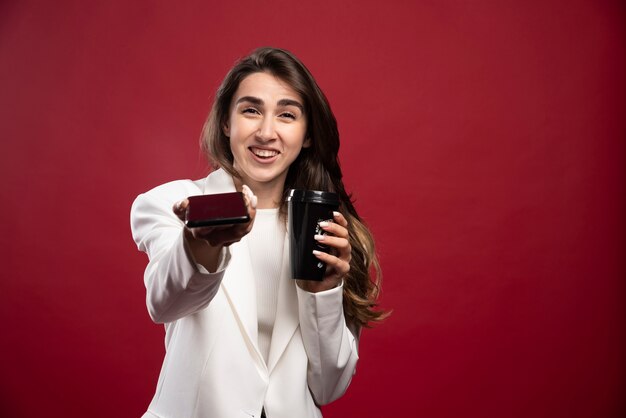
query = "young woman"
{"x": 242, "y": 338}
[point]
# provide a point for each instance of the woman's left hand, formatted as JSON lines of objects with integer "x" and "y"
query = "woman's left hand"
{"x": 338, "y": 262}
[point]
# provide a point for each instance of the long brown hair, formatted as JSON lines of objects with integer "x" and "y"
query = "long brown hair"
{"x": 315, "y": 168}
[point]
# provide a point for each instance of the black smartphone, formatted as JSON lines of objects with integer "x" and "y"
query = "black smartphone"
{"x": 216, "y": 209}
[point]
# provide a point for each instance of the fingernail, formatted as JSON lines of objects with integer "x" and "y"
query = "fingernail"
{"x": 319, "y": 237}
{"x": 336, "y": 213}
{"x": 323, "y": 224}
{"x": 316, "y": 252}
{"x": 253, "y": 201}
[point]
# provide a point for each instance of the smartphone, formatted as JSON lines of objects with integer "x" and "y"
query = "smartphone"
{"x": 216, "y": 209}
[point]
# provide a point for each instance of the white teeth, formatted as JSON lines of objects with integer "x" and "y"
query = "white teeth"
{"x": 264, "y": 153}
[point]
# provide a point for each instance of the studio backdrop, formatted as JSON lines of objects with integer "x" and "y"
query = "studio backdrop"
{"x": 482, "y": 141}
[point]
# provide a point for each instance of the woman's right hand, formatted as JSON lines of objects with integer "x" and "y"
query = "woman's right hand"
{"x": 206, "y": 243}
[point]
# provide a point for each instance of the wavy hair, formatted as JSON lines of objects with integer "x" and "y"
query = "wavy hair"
{"x": 316, "y": 167}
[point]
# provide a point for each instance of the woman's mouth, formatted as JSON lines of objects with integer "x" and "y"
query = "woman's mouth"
{"x": 264, "y": 154}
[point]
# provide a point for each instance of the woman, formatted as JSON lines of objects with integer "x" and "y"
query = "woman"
{"x": 242, "y": 338}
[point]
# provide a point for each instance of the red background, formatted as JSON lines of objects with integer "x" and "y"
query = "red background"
{"x": 484, "y": 142}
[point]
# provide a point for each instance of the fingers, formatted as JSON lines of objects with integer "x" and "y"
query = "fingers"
{"x": 337, "y": 237}
{"x": 180, "y": 209}
{"x": 216, "y": 236}
{"x": 338, "y": 266}
{"x": 250, "y": 199}
{"x": 340, "y": 219}
{"x": 249, "y": 196}
{"x": 225, "y": 235}
{"x": 342, "y": 245}
{"x": 251, "y": 203}
{"x": 338, "y": 228}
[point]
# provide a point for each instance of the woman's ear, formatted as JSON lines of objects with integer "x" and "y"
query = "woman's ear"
{"x": 306, "y": 143}
{"x": 226, "y": 129}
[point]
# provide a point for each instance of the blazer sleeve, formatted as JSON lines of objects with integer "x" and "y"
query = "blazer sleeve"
{"x": 176, "y": 286}
{"x": 331, "y": 347}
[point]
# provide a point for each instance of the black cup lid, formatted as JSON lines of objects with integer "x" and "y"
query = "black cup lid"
{"x": 313, "y": 196}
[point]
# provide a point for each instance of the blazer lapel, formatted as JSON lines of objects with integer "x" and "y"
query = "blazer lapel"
{"x": 286, "y": 312}
{"x": 240, "y": 288}
{"x": 239, "y": 283}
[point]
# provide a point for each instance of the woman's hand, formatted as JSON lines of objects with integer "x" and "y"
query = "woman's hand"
{"x": 206, "y": 243}
{"x": 338, "y": 262}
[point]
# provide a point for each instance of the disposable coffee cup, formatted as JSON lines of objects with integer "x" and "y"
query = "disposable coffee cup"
{"x": 307, "y": 208}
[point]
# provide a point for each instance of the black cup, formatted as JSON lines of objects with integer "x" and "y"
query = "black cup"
{"x": 307, "y": 208}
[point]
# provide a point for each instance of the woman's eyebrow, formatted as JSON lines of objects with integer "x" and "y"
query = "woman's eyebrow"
{"x": 290, "y": 102}
{"x": 251, "y": 99}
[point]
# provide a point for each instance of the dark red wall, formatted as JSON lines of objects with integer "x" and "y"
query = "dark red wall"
{"x": 484, "y": 142}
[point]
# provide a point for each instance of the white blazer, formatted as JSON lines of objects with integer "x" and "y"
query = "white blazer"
{"x": 213, "y": 367}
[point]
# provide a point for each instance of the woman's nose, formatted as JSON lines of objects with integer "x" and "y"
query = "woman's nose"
{"x": 267, "y": 130}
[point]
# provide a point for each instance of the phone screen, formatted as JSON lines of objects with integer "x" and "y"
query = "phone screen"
{"x": 216, "y": 209}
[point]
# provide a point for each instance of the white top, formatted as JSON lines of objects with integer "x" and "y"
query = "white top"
{"x": 265, "y": 242}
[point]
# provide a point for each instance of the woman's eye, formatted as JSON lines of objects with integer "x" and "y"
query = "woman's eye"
{"x": 288, "y": 115}
{"x": 250, "y": 110}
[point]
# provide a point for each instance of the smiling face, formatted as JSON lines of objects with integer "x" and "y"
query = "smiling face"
{"x": 267, "y": 127}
